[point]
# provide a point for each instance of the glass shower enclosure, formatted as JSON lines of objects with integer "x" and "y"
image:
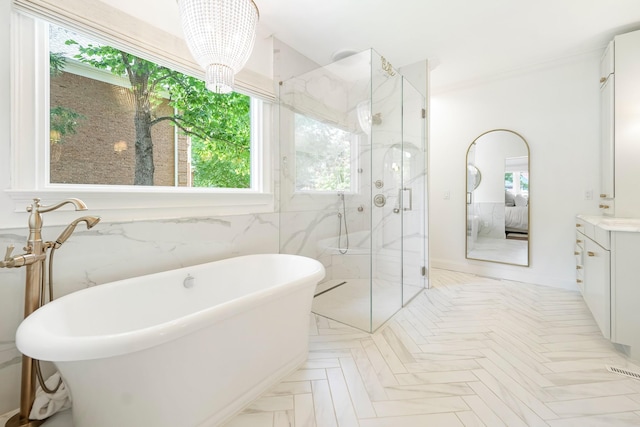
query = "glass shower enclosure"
{"x": 352, "y": 186}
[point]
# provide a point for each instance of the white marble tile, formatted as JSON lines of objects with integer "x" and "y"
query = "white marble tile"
{"x": 323, "y": 404}
{"x": 357, "y": 388}
{"x": 379, "y": 364}
{"x": 344, "y": 410}
{"x": 427, "y": 405}
{"x": 431, "y": 420}
{"x": 585, "y": 391}
{"x": 307, "y": 375}
{"x": 594, "y": 405}
{"x": 256, "y": 419}
{"x": 483, "y": 411}
{"x": 499, "y": 407}
{"x": 470, "y": 419}
{"x": 271, "y": 404}
{"x": 626, "y": 419}
{"x": 290, "y": 388}
{"x": 283, "y": 419}
{"x": 401, "y": 392}
{"x": 436, "y": 377}
{"x": 304, "y": 413}
{"x": 525, "y": 404}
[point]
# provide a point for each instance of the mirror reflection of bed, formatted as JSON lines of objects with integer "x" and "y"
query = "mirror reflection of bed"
{"x": 498, "y": 203}
{"x": 516, "y": 198}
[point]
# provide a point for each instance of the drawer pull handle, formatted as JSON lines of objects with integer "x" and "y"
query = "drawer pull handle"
{"x": 604, "y": 206}
{"x": 591, "y": 253}
{"x": 603, "y": 196}
{"x": 576, "y": 253}
{"x": 578, "y": 225}
{"x": 578, "y": 267}
{"x": 578, "y": 241}
{"x": 578, "y": 281}
{"x": 603, "y": 79}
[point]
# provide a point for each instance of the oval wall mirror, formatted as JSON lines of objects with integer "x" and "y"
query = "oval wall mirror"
{"x": 498, "y": 205}
{"x": 473, "y": 177}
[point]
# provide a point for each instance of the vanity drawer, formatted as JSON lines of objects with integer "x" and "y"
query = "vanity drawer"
{"x": 579, "y": 254}
{"x": 585, "y": 228}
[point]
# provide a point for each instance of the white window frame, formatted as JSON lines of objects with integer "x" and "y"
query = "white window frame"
{"x": 30, "y": 141}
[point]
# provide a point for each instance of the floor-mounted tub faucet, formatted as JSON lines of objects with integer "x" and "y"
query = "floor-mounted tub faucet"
{"x": 33, "y": 259}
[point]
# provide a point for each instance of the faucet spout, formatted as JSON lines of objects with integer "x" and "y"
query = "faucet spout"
{"x": 77, "y": 204}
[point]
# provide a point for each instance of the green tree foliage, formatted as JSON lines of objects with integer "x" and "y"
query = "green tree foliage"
{"x": 323, "y": 156}
{"x": 219, "y": 125}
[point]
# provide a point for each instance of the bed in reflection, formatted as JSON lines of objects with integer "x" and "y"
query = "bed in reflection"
{"x": 516, "y": 216}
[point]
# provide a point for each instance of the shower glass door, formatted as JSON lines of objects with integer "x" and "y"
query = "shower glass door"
{"x": 414, "y": 210}
{"x": 386, "y": 193}
{"x": 351, "y": 185}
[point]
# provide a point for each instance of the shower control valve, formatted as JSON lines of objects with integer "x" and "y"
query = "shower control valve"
{"x": 379, "y": 200}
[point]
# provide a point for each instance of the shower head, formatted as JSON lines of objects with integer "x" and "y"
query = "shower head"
{"x": 90, "y": 220}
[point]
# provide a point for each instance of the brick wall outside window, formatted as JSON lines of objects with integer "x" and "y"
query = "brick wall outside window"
{"x": 92, "y": 156}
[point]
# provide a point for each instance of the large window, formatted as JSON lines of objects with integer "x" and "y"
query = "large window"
{"x": 325, "y": 159}
{"x": 133, "y": 133}
{"x": 117, "y": 119}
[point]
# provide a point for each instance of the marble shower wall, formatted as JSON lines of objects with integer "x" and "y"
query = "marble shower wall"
{"x": 491, "y": 218}
{"x": 359, "y": 95}
{"x": 310, "y": 223}
{"x": 113, "y": 251}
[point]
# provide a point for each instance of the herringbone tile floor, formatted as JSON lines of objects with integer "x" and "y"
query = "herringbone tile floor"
{"x": 470, "y": 351}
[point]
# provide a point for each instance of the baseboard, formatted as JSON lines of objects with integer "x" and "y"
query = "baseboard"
{"x": 505, "y": 272}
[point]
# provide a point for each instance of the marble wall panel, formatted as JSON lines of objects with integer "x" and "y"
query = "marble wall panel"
{"x": 491, "y": 219}
{"x": 113, "y": 251}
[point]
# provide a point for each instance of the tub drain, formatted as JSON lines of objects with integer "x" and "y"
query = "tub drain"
{"x": 330, "y": 289}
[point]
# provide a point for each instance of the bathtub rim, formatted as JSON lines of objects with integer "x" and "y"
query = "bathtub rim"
{"x": 36, "y": 341}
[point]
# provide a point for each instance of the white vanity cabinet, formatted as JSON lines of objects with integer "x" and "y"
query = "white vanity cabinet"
{"x": 597, "y": 284}
{"x": 596, "y": 275}
{"x": 610, "y": 274}
{"x": 620, "y": 102}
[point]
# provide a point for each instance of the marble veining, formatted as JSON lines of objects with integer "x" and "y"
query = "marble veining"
{"x": 117, "y": 250}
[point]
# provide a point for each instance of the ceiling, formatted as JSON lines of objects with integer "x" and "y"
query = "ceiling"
{"x": 464, "y": 40}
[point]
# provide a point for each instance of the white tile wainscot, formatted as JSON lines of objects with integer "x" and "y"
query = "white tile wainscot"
{"x": 609, "y": 257}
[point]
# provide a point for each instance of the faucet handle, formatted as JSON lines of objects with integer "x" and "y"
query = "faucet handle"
{"x": 7, "y": 255}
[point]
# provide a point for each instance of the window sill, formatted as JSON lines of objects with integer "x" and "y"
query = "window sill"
{"x": 116, "y": 204}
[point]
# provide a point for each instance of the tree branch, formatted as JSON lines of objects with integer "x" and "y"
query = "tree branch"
{"x": 177, "y": 122}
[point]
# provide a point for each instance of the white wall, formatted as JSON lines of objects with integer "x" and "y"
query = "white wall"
{"x": 556, "y": 109}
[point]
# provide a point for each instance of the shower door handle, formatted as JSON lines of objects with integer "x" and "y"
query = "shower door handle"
{"x": 410, "y": 191}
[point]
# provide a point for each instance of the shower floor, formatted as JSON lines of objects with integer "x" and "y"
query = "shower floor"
{"x": 348, "y": 301}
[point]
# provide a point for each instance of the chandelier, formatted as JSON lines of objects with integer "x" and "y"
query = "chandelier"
{"x": 220, "y": 35}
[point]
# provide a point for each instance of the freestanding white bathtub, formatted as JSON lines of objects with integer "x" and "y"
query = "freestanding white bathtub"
{"x": 183, "y": 348}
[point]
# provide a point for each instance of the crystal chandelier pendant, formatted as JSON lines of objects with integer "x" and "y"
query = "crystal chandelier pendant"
{"x": 220, "y": 35}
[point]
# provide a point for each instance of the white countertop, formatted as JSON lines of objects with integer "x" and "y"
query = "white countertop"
{"x": 613, "y": 223}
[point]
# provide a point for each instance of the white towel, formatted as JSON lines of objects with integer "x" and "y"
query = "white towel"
{"x": 46, "y": 404}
